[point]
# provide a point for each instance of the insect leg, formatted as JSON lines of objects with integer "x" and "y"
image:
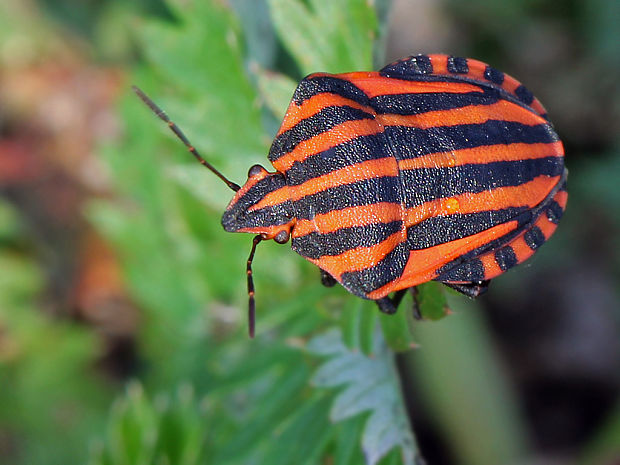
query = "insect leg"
{"x": 415, "y": 308}
{"x": 251, "y": 303}
{"x": 327, "y": 279}
{"x": 390, "y": 305}
{"x": 473, "y": 289}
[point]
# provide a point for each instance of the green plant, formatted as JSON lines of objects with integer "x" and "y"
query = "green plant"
{"x": 259, "y": 392}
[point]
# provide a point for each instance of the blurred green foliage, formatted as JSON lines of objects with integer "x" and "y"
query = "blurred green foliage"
{"x": 320, "y": 382}
{"x": 186, "y": 276}
{"x": 44, "y": 393}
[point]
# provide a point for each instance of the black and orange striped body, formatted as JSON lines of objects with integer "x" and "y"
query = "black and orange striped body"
{"x": 434, "y": 168}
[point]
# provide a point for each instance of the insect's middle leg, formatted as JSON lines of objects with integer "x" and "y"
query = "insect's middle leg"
{"x": 389, "y": 305}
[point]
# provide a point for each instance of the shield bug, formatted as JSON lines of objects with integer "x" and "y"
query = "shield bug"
{"x": 433, "y": 168}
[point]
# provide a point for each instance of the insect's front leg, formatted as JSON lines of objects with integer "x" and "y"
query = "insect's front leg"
{"x": 327, "y": 279}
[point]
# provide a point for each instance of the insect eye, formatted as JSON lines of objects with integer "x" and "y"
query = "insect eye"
{"x": 255, "y": 170}
{"x": 282, "y": 237}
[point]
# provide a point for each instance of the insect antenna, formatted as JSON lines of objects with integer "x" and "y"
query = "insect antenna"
{"x": 251, "y": 303}
{"x": 177, "y": 131}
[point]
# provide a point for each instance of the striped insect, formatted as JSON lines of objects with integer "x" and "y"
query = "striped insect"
{"x": 433, "y": 168}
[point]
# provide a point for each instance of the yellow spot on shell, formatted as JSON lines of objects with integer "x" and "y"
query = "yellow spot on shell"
{"x": 451, "y": 206}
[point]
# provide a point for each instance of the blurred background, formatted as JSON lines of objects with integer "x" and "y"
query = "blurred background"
{"x": 122, "y": 302}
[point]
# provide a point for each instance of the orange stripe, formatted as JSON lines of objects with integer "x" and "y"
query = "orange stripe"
{"x": 546, "y": 226}
{"x": 350, "y": 174}
{"x": 440, "y": 64}
{"x": 521, "y": 249}
{"x": 268, "y": 231}
{"x": 314, "y": 105}
{"x": 422, "y": 264}
{"x": 276, "y": 197}
{"x": 373, "y": 84}
{"x": 529, "y": 194}
{"x": 473, "y": 114}
{"x": 476, "y": 70}
{"x": 488, "y": 154}
{"x": 510, "y": 84}
{"x": 360, "y": 258}
{"x": 491, "y": 268}
{"x": 341, "y": 133}
{"x": 382, "y": 212}
{"x": 561, "y": 198}
{"x": 538, "y": 107}
{"x": 247, "y": 186}
{"x": 360, "y": 171}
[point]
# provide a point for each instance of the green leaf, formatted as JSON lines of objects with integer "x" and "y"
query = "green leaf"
{"x": 367, "y": 326}
{"x": 431, "y": 301}
{"x": 367, "y": 384}
{"x": 46, "y": 368}
{"x": 201, "y": 57}
{"x": 260, "y": 38}
{"x": 304, "y": 436}
{"x": 397, "y": 329}
{"x": 348, "y": 447}
{"x": 465, "y": 389}
{"x": 350, "y": 322}
{"x": 276, "y": 90}
{"x": 169, "y": 430}
{"x": 335, "y": 36}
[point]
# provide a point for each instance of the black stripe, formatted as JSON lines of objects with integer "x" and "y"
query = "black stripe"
{"x": 471, "y": 271}
{"x": 311, "y": 86}
{"x": 360, "y": 149}
{"x": 348, "y": 153}
{"x": 385, "y": 271}
{"x": 316, "y": 245}
{"x": 366, "y": 192}
{"x": 493, "y": 75}
{"x": 525, "y": 221}
{"x": 534, "y": 238}
{"x": 238, "y": 217}
{"x": 554, "y": 212}
{"x": 488, "y": 91}
{"x": 506, "y": 258}
{"x": 414, "y": 142}
{"x": 276, "y": 215}
{"x": 426, "y": 184}
{"x": 458, "y": 65}
{"x": 415, "y": 104}
{"x": 524, "y": 94}
{"x": 321, "y": 122}
{"x": 442, "y": 229}
{"x": 408, "y": 68}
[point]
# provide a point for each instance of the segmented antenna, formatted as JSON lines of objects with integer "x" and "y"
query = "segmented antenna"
{"x": 177, "y": 131}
